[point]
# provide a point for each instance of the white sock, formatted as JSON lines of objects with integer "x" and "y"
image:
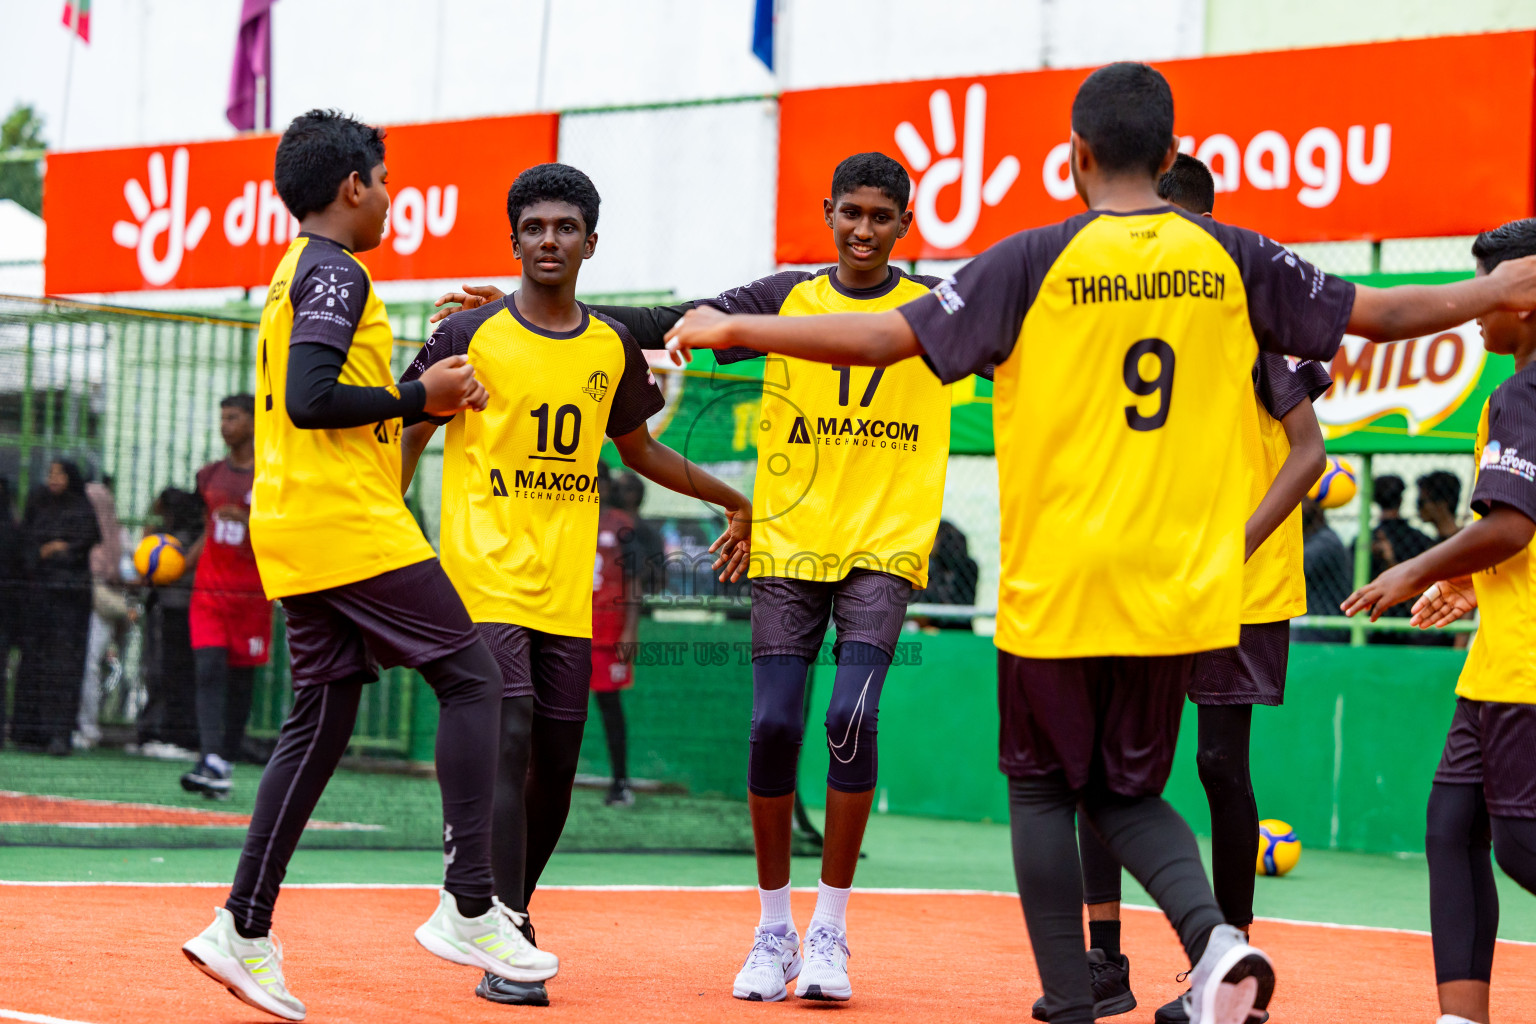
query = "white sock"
{"x": 831, "y": 907}
{"x": 775, "y": 908}
{"x": 1451, "y": 1018}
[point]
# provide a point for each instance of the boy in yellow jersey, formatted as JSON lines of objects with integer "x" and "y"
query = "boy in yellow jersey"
{"x": 1484, "y": 793}
{"x": 520, "y": 509}
{"x": 1124, "y": 340}
{"x": 1284, "y": 444}
{"x": 848, "y": 492}
{"x": 359, "y": 584}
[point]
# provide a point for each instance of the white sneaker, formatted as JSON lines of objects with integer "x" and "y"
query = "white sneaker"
{"x": 252, "y": 969}
{"x": 492, "y": 942}
{"x": 771, "y": 965}
{"x": 1232, "y": 982}
{"x": 826, "y": 965}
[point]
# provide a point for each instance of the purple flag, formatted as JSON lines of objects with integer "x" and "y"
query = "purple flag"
{"x": 253, "y": 61}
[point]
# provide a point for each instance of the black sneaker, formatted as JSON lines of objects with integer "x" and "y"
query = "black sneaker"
{"x": 1174, "y": 1013}
{"x": 1111, "y": 980}
{"x": 619, "y": 794}
{"x": 211, "y": 778}
{"x": 512, "y": 993}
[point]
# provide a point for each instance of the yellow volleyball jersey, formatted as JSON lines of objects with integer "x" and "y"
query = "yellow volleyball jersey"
{"x": 520, "y": 512}
{"x": 1124, "y": 346}
{"x": 1274, "y": 587}
{"x": 850, "y": 460}
{"x": 326, "y": 508}
{"x": 1501, "y": 666}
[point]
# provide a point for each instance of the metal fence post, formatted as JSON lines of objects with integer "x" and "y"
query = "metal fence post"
{"x": 1365, "y": 491}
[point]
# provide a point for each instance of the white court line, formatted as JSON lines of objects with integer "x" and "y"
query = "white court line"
{"x": 36, "y": 1018}
{"x": 409, "y": 886}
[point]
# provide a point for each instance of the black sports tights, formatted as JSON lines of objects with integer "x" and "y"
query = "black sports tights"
{"x": 611, "y": 705}
{"x": 1222, "y": 758}
{"x": 1463, "y": 902}
{"x": 223, "y": 702}
{"x": 536, "y": 769}
{"x": 1143, "y": 833}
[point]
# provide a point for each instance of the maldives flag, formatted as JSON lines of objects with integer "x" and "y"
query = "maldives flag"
{"x": 77, "y": 16}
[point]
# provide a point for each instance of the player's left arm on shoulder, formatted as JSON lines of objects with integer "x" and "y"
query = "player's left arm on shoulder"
{"x": 637, "y": 397}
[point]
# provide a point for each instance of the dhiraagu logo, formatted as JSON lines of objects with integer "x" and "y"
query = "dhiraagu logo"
{"x": 967, "y": 169}
{"x": 161, "y": 211}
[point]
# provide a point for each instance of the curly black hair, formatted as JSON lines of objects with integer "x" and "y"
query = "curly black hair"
{"x": 1124, "y": 112}
{"x": 1505, "y": 242}
{"x": 875, "y": 170}
{"x": 317, "y": 153}
{"x": 561, "y": 183}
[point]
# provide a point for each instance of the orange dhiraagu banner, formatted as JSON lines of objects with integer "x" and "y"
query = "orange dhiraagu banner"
{"x": 1388, "y": 140}
{"x": 205, "y": 214}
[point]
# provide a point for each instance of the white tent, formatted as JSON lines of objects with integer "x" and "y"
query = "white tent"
{"x": 22, "y": 235}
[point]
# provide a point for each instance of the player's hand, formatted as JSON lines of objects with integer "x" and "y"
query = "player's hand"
{"x": 452, "y": 387}
{"x": 473, "y": 295}
{"x": 1443, "y": 603}
{"x": 1518, "y": 280}
{"x": 1394, "y": 586}
{"x": 733, "y": 548}
{"x": 700, "y": 327}
{"x": 57, "y": 547}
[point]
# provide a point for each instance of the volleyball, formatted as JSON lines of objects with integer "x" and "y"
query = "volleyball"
{"x": 1337, "y": 484}
{"x": 160, "y": 558}
{"x": 1279, "y": 849}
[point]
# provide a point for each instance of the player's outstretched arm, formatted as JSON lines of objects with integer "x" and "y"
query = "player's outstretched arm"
{"x": 655, "y": 461}
{"x": 473, "y": 295}
{"x": 1298, "y": 473}
{"x": 1502, "y": 533}
{"x": 413, "y": 441}
{"x": 1411, "y": 310}
{"x": 848, "y": 339}
{"x": 1444, "y": 602}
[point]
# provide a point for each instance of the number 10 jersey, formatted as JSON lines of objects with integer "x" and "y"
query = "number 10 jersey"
{"x": 519, "y": 497}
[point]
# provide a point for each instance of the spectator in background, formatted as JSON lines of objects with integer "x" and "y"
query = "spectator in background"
{"x": 57, "y": 534}
{"x": 1325, "y": 561}
{"x": 109, "y": 610}
{"x": 168, "y": 723}
{"x": 615, "y": 626}
{"x": 11, "y": 595}
{"x": 648, "y": 553}
{"x": 230, "y": 619}
{"x": 1439, "y": 497}
{"x": 952, "y": 575}
{"x": 1394, "y": 539}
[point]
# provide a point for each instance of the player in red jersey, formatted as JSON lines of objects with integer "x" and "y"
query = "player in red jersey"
{"x": 230, "y": 618}
{"x": 615, "y": 620}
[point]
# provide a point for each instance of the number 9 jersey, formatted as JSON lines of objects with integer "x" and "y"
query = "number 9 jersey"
{"x": 1124, "y": 346}
{"x": 519, "y": 507}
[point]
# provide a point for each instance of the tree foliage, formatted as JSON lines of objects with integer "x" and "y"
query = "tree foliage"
{"x": 22, "y": 179}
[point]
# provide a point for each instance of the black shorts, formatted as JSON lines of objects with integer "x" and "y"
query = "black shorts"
{"x": 1253, "y": 672}
{"x": 789, "y": 616}
{"x": 1493, "y": 745}
{"x": 1111, "y": 721}
{"x": 554, "y": 670}
{"x": 407, "y": 616}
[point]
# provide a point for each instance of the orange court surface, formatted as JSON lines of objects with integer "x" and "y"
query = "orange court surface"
{"x": 109, "y": 954}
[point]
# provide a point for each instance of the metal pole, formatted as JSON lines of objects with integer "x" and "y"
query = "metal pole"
{"x": 261, "y": 103}
{"x": 538, "y": 91}
{"x": 69, "y": 68}
{"x": 1365, "y": 491}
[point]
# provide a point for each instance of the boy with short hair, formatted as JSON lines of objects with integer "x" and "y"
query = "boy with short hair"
{"x": 1283, "y": 444}
{"x": 360, "y": 585}
{"x": 1124, "y": 340}
{"x": 848, "y": 492}
{"x": 1483, "y": 794}
{"x": 520, "y": 511}
{"x": 230, "y": 618}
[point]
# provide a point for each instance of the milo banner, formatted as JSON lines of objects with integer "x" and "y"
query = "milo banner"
{"x": 1420, "y": 395}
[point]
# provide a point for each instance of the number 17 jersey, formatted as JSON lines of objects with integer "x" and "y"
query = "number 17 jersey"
{"x": 1124, "y": 345}
{"x": 519, "y": 508}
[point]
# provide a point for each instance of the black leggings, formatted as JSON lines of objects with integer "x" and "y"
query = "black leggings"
{"x": 223, "y": 702}
{"x": 1222, "y": 758}
{"x": 1463, "y": 900}
{"x": 536, "y": 767}
{"x": 611, "y": 706}
{"x": 309, "y": 747}
{"x": 1143, "y": 833}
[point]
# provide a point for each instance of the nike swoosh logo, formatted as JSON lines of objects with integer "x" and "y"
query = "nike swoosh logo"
{"x": 853, "y": 727}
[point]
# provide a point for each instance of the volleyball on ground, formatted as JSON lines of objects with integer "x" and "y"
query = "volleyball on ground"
{"x": 1336, "y": 486}
{"x": 160, "y": 558}
{"x": 1279, "y": 849}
